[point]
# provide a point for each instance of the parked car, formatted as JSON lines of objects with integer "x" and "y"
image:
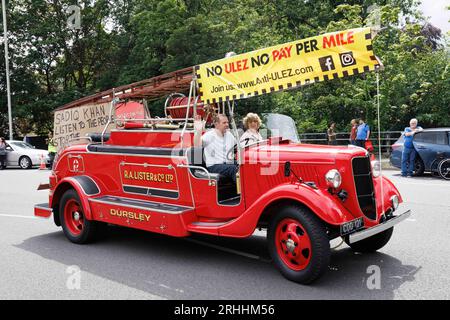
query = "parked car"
{"x": 40, "y": 142}
{"x": 24, "y": 155}
{"x": 431, "y": 144}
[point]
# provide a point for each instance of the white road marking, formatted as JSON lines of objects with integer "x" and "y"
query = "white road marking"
{"x": 427, "y": 204}
{"x": 18, "y": 216}
{"x": 164, "y": 286}
{"x": 260, "y": 233}
{"x": 422, "y": 184}
{"x": 169, "y": 288}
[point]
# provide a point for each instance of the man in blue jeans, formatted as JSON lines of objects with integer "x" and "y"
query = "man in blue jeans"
{"x": 409, "y": 153}
{"x": 362, "y": 133}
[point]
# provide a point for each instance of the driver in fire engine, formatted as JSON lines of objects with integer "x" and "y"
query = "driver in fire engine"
{"x": 217, "y": 144}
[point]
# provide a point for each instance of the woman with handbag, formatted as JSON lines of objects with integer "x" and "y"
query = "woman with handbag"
{"x": 2, "y": 153}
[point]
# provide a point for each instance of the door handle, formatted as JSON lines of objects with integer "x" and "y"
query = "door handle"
{"x": 421, "y": 147}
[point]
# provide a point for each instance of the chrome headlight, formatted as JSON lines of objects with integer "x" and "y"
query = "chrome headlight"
{"x": 395, "y": 202}
{"x": 376, "y": 168}
{"x": 333, "y": 178}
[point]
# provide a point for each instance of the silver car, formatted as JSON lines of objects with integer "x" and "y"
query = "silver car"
{"x": 24, "y": 155}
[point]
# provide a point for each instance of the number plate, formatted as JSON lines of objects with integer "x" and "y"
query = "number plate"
{"x": 352, "y": 226}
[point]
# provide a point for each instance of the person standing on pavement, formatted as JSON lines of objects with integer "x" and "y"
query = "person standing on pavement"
{"x": 2, "y": 153}
{"x": 51, "y": 149}
{"x": 331, "y": 133}
{"x": 362, "y": 133}
{"x": 409, "y": 152}
{"x": 354, "y": 125}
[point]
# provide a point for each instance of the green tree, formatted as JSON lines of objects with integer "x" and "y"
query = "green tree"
{"x": 122, "y": 41}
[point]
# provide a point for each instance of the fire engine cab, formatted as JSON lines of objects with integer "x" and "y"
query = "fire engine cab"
{"x": 147, "y": 174}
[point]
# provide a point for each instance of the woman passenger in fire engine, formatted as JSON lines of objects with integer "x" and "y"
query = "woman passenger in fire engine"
{"x": 252, "y": 123}
{"x": 217, "y": 144}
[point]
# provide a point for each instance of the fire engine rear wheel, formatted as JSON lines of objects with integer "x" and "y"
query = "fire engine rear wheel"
{"x": 298, "y": 244}
{"x": 76, "y": 227}
{"x": 373, "y": 243}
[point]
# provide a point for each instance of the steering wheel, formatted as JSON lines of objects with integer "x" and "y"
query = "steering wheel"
{"x": 232, "y": 154}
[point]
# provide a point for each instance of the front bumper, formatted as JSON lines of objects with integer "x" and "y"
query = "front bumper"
{"x": 367, "y": 233}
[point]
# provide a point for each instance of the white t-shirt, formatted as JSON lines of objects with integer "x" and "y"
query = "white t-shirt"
{"x": 217, "y": 147}
{"x": 249, "y": 138}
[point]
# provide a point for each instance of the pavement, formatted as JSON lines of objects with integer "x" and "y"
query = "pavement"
{"x": 38, "y": 262}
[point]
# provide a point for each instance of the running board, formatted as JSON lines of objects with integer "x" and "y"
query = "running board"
{"x": 145, "y": 215}
{"x": 143, "y": 205}
{"x": 211, "y": 228}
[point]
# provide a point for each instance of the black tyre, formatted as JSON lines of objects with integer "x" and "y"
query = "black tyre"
{"x": 76, "y": 227}
{"x": 373, "y": 243}
{"x": 298, "y": 244}
{"x": 25, "y": 162}
{"x": 419, "y": 167}
{"x": 434, "y": 167}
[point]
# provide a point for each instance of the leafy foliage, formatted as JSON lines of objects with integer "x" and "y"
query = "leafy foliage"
{"x": 123, "y": 41}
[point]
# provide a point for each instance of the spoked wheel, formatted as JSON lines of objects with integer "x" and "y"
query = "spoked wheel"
{"x": 76, "y": 227}
{"x": 25, "y": 162}
{"x": 444, "y": 169}
{"x": 293, "y": 244}
{"x": 73, "y": 216}
{"x": 298, "y": 244}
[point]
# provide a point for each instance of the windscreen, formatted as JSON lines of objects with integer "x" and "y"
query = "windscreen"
{"x": 22, "y": 145}
{"x": 282, "y": 126}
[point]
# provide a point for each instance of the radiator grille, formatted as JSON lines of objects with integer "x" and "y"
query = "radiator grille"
{"x": 362, "y": 175}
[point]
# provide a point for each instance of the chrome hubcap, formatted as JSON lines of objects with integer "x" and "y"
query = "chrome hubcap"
{"x": 76, "y": 216}
{"x": 290, "y": 245}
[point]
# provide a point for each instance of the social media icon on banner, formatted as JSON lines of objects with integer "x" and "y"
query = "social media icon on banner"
{"x": 347, "y": 59}
{"x": 327, "y": 63}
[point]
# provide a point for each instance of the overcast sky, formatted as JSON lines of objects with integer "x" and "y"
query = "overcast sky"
{"x": 437, "y": 13}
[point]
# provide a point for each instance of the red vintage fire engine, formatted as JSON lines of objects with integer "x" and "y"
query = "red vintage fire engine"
{"x": 147, "y": 174}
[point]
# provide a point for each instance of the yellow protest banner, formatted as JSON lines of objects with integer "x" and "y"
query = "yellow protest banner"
{"x": 287, "y": 66}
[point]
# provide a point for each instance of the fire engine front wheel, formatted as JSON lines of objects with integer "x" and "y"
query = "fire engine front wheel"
{"x": 76, "y": 227}
{"x": 298, "y": 244}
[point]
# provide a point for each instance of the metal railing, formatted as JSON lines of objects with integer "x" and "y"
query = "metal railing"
{"x": 343, "y": 138}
